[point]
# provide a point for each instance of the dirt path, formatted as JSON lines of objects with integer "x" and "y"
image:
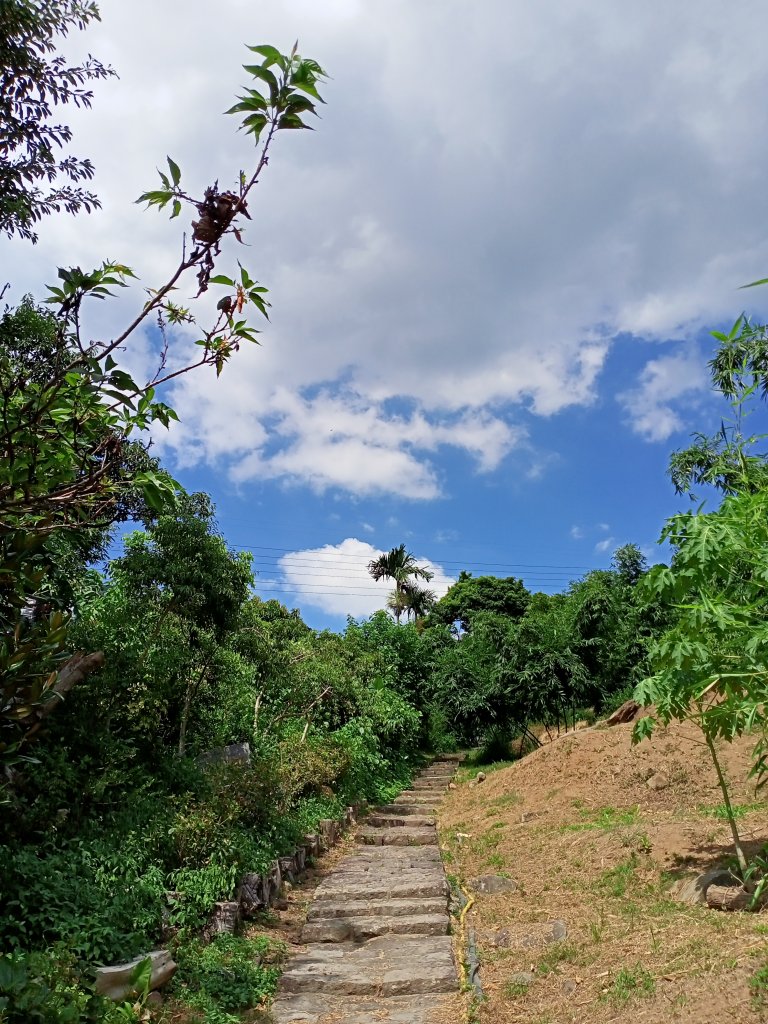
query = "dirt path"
{"x": 377, "y": 944}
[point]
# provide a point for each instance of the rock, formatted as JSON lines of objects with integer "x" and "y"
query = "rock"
{"x": 115, "y": 982}
{"x": 502, "y": 939}
{"x": 558, "y": 931}
{"x": 528, "y": 816}
{"x": 628, "y": 712}
{"x": 329, "y": 830}
{"x": 154, "y": 999}
{"x": 480, "y": 777}
{"x": 521, "y": 978}
{"x": 234, "y": 753}
{"x": 251, "y": 896}
{"x": 288, "y": 868}
{"x": 657, "y": 781}
{"x": 280, "y": 904}
{"x": 694, "y": 890}
{"x": 452, "y": 785}
{"x": 493, "y": 884}
{"x": 568, "y": 987}
{"x": 223, "y": 920}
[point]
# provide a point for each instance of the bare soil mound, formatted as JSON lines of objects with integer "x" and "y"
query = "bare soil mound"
{"x": 595, "y": 833}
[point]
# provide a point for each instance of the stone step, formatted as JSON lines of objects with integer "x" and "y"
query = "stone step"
{"x": 396, "y": 820}
{"x": 413, "y": 796}
{"x": 418, "y": 784}
{"x": 402, "y": 809}
{"x": 397, "y": 836}
{"x": 358, "y": 929}
{"x": 316, "y": 1008}
{"x": 391, "y": 965}
{"x": 323, "y": 910}
{"x": 418, "y": 887}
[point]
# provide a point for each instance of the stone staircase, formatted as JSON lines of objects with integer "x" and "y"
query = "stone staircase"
{"x": 378, "y": 948}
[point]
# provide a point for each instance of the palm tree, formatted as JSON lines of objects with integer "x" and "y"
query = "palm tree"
{"x": 419, "y": 602}
{"x": 401, "y": 566}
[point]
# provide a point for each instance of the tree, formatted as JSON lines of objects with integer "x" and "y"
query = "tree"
{"x": 711, "y": 666}
{"x": 400, "y": 566}
{"x": 470, "y": 595}
{"x": 64, "y": 434}
{"x": 33, "y": 81}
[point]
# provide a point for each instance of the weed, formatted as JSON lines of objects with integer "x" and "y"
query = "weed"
{"x": 506, "y": 800}
{"x": 514, "y": 989}
{"x": 616, "y": 880}
{"x": 496, "y": 860}
{"x": 597, "y": 927}
{"x": 606, "y": 818}
{"x": 560, "y": 953}
{"x": 628, "y": 983}
{"x": 720, "y": 811}
{"x": 758, "y": 986}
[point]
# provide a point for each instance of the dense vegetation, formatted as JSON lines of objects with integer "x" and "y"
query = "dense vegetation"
{"x": 118, "y": 677}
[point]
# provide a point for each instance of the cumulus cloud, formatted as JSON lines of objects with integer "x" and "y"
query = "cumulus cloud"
{"x": 651, "y": 407}
{"x": 335, "y": 578}
{"x": 577, "y": 533}
{"x": 466, "y": 253}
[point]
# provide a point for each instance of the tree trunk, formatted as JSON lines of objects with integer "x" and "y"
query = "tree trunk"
{"x": 740, "y": 855}
{"x": 192, "y": 686}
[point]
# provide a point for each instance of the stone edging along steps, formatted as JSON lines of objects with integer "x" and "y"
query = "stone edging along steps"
{"x": 377, "y": 942}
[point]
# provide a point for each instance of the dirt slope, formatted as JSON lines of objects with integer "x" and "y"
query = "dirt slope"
{"x": 595, "y": 833}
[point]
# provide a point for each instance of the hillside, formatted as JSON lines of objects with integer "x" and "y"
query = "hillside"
{"x": 596, "y": 834}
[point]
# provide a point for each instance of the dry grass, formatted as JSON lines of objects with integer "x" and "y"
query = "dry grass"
{"x": 589, "y": 843}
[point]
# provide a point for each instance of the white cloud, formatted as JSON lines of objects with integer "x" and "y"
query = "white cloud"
{"x": 577, "y": 533}
{"x": 604, "y": 545}
{"x": 336, "y": 441}
{"x": 368, "y": 527}
{"x": 416, "y": 249}
{"x": 650, "y": 407}
{"x": 335, "y": 578}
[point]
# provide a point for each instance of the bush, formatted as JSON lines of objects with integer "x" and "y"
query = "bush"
{"x": 42, "y": 988}
{"x": 231, "y": 974}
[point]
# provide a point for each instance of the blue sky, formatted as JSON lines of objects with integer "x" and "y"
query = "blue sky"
{"x": 493, "y": 269}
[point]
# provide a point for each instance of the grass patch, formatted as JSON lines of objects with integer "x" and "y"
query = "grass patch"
{"x": 615, "y": 881}
{"x": 758, "y": 987}
{"x": 720, "y": 812}
{"x": 560, "y": 953}
{"x": 606, "y": 818}
{"x": 629, "y": 983}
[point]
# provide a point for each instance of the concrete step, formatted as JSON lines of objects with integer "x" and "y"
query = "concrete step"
{"x": 391, "y": 965}
{"x": 395, "y": 820}
{"x": 316, "y": 1008}
{"x": 358, "y": 929}
{"x": 397, "y": 836}
{"x": 323, "y": 910}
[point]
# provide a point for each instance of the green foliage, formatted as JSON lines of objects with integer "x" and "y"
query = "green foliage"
{"x": 470, "y": 595}
{"x": 44, "y": 988}
{"x": 228, "y": 975}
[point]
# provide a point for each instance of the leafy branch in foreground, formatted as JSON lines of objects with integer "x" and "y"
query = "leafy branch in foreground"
{"x": 32, "y": 83}
{"x": 68, "y": 461}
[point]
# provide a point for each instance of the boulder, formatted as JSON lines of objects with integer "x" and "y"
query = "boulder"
{"x": 115, "y": 982}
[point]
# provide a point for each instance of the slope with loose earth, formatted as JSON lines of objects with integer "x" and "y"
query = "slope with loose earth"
{"x": 590, "y": 836}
